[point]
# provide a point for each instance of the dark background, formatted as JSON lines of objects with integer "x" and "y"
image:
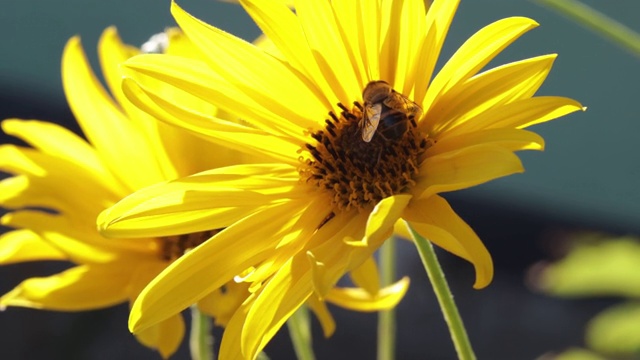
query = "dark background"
{"x": 586, "y": 179}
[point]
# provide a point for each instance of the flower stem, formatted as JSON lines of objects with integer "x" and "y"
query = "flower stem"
{"x": 598, "y": 22}
{"x": 387, "y": 318}
{"x": 445, "y": 298}
{"x": 299, "y": 325}
{"x": 200, "y": 340}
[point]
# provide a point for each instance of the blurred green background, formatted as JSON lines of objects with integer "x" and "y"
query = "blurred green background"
{"x": 587, "y": 177}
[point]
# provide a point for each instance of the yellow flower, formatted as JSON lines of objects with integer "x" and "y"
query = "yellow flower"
{"x": 348, "y": 160}
{"x": 62, "y": 183}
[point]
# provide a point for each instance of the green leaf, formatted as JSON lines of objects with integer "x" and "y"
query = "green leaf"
{"x": 576, "y": 354}
{"x": 610, "y": 267}
{"x": 615, "y": 331}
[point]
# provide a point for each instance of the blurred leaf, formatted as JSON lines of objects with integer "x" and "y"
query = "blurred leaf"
{"x": 610, "y": 267}
{"x": 597, "y": 22}
{"x": 574, "y": 354}
{"x": 616, "y": 331}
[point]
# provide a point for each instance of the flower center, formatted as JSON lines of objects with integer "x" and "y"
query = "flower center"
{"x": 172, "y": 247}
{"x": 365, "y": 154}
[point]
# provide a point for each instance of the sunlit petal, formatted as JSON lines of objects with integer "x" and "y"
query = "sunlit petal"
{"x": 209, "y": 200}
{"x": 476, "y": 52}
{"x": 466, "y": 167}
{"x": 25, "y": 245}
{"x": 134, "y": 164}
{"x": 76, "y": 289}
{"x": 232, "y": 250}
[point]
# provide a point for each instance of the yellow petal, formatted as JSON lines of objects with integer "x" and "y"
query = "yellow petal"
{"x": 259, "y": 75}
{"x": 368, "y": 19}
{"x": 282, "y": 27}
{"x": 222, "y": 303}
{"x": 79, "y": 244}
{"x": 382, "y": 219}
{"x": 520, "y": 114}
{"x": 165, "y": 337}
{"x": 331, "y": 259}
{"x": 322, "y": 282}
{"x": 323, "y": 37}
{"x": 357, "y": 256}
{"x": 24, "y": 245}
{"x": 46, "y": 183}
{"x": 366, "y": 276}
{"x": 193, "y": 78}
{"x": 230, "y": 346}
{"x": 181, "y": 45}
{"x": 61, "y": 234}
{"x": 85, "y": 287}
{"x": 208, "y": 200}
{"x": 17, "y": 160}
{"x": 498, "y": 86}
{"x": 464, "y": 168}
{"x": 296, "y": 238}
{"x": 361, "y": 300}
{"x": 475, "y": 53}
{"x": 279, "y": 298}
{"x": 104, "y": 124}
{"x": 241, "y": 138}
{"x": 434, "y": 219}
{"x": 405, "y": 22}
{"x": 59, "y": 142}
{"x": 325, "y": 318}
{"x": 439, "y": 19}
{"x": 191, "y": 277}
{"x": 348, "y": 20}
{"x": 264, "y": 43}
{"x": 296, "y": 280}
{"x": 22, "y": 191}
{"x": 400, "y": 229}
{"x": 113, "y": 53}
{"x": 171, "y": 145}
{"x": 510, "y": 139}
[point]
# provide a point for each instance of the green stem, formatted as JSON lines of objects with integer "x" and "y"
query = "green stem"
{"x": 201, "y": 339}
{"x": 299, "y": 325}
{"x": 387, "y": 318}
{"x": 262, "y": 356}
{"x": 445, "y": 298}
{"x": 597, "y": 21}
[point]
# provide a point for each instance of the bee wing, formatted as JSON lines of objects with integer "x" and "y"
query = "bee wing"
{"x": 402, "y": 103}
{"x": 415, "y": 110}
{"x": 370, "y": 121}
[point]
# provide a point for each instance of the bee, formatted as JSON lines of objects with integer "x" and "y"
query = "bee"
{"x": 383, "y": 105}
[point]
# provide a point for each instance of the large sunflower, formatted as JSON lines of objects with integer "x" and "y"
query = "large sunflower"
{"x": 359, "y": 137}
{"x": 63, "y": 182}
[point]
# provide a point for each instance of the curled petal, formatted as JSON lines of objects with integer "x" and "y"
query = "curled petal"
{"x": 434, "y": 219}
{"x": 321, "y": 311}
{"x": 361, "y": 300}
{"x": 366, "y": 276}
